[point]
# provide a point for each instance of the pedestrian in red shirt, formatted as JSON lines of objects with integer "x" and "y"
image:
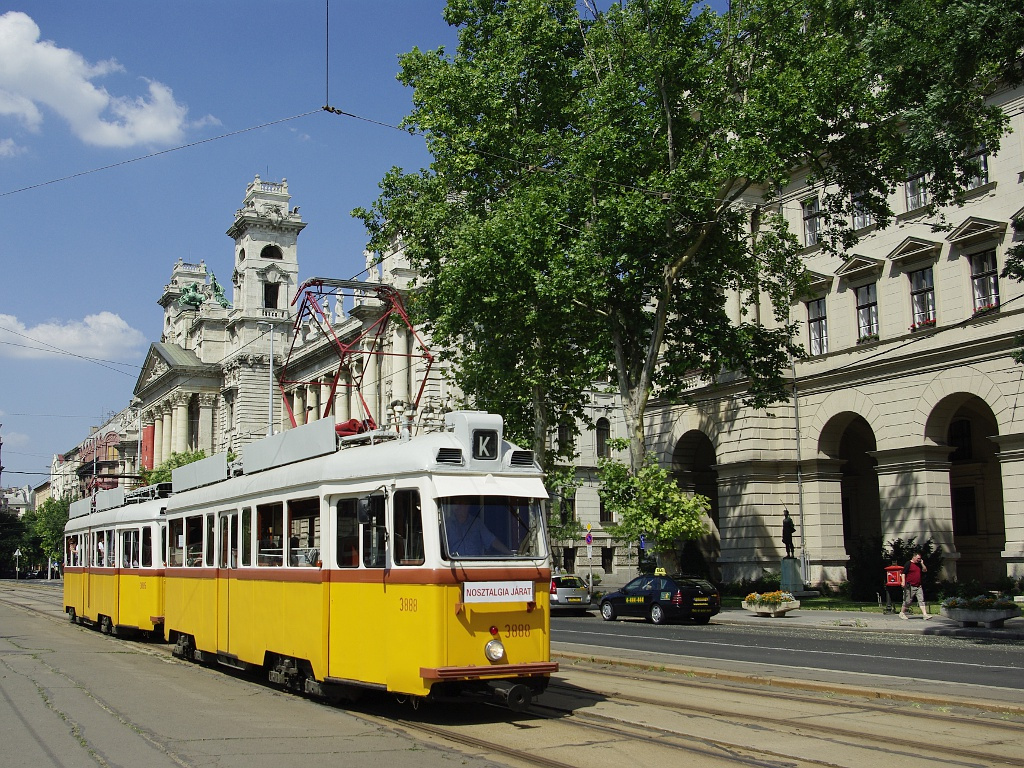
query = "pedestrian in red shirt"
{"x": 911, "y": 581}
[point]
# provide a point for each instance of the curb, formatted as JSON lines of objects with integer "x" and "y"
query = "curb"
{"x": 866, "y": 692}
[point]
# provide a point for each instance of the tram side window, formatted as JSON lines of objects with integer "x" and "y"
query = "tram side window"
{"x": 408, "y": 538}
{"x": 348, "y": 534}
{"x": 147, "y": 547}
{"x": 246, "y": 542}
{"x": 209, "y": 543}
{"x": 71, "y": 556}
{"x": 304, "y": 532}
{"x": 130, "y": 548}
{"x": 176, "y": 542}
{"x": 375, "y": 535}
{"x": 103, "y": 556}
{"x": 270, "y": 524}
{"x": 228, "y": 540}
{"x": 194, "y": 541}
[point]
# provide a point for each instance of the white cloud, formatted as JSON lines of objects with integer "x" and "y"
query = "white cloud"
{"x": 104, "y": 336}
{"x": 36, "y": 72}
{"x": 9, "y": 149}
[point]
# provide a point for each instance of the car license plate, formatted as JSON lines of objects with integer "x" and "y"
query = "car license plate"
{"x": 574, "y": 600}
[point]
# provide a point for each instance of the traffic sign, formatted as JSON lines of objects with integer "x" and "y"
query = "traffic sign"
{"x": 588, "y": 526}
{"x": 590, "y": 538}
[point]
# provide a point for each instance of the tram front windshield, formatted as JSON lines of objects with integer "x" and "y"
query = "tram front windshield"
{"x": 492, "y": 527}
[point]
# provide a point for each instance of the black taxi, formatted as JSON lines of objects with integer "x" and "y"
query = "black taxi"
{"x": 660, "y": 598}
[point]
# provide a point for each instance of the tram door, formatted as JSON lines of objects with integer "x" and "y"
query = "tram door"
{"x": 227, "y": 561}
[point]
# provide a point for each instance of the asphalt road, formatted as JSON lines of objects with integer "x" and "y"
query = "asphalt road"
{"x": 777, "y": 647}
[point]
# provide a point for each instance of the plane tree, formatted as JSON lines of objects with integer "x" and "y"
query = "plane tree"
{"x": 602, "y": 180}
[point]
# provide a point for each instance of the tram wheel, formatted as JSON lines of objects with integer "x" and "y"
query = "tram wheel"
{"x": 72, "y": 616}
{"x": 106, "y": 626}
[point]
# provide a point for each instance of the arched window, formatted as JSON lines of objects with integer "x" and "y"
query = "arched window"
{"x": 271, "y": 252}
{"x": 241, "y": 254}
{"x": 604, "y": 431}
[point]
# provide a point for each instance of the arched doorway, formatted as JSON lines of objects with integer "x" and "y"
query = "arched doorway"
{"x": 848, "y": 438}
{"x": 862, "y": 514}
{"x": 693, "y": 465}
{"x": 975, "y": 487}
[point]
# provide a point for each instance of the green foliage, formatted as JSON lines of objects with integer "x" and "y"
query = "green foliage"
{"x": 162, "y": 473}
{"x": 649, "y": 502}
{"x": 587, "y": 206}
{"x": 51, "y": 517}
{"x": 769, "y": 581}
{"x": 563, "y": 525}
{"x": 31, "y": 543}
{"x": 12, "y": 534}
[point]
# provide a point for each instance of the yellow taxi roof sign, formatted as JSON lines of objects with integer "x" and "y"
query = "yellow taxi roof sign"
{"x": 660, "y": 572}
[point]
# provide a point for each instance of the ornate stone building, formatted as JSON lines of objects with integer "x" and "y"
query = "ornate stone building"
{"x": 206, "y": 385}
{"x": 906, "y": 417}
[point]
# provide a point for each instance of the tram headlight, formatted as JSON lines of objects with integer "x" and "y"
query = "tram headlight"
{"x": 494, "y": 650}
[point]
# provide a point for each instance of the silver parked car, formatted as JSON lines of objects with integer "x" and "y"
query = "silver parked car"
{"x": 569, "y": 593}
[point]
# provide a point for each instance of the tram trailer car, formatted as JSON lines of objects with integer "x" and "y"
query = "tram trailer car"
{"x": 113, "y": 561}
{"x": 416, "y": 566}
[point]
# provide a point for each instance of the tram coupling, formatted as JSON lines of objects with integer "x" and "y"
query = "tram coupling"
{"x": 515, "y": 696}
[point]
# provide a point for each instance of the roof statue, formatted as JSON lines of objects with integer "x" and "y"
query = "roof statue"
{"x": 191, "y": 296}
{"x": 218, "y": 292}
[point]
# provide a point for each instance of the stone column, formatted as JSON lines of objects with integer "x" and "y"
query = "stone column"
{"x": 342, "y": 401}
{"x": 206, "y": 403}
{"x": 1011, "y": 466}
{"x": 181, "y": 423}
{"x": 356, "y": 410}
{"x": 821, "y": 522}
{"x": 400, "y": 365}
{"x": 371, "y": 381}
{"x": 158, "y": 436}
{"x": 313, "y": 401}
{"x": 300, "y": 406}
{"x": 913, "y": 493}
{"x": 165, "y": 440}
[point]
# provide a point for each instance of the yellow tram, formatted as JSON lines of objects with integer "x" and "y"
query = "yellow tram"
{"x": 415, "y": 565}
{"x": 113, "y": 561}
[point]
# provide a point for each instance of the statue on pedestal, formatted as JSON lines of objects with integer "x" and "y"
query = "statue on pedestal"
{"x": 788, "y": 529}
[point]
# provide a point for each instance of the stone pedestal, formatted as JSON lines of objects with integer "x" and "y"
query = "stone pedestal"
{"x": 792, "y": 581}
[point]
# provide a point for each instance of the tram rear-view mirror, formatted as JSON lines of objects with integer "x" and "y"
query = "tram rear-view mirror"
{"x": 363, "y": 510}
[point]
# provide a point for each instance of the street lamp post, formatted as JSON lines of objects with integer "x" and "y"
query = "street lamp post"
{"x": 270, "y": 394}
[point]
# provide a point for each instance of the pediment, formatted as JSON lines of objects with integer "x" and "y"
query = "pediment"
{"x": 975, "y": 229}
{"x": 817, "y": 282}
{"x": 915, "y": 249}
{"x": 860, "y": 267}
{"x": 1017, "y": 220}
{"x": 163, "y": 360}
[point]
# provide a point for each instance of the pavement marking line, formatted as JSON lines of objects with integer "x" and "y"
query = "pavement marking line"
{"x": 792, "y": 650}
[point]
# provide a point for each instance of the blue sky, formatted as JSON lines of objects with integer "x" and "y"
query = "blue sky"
{"x": 89, "y": 85}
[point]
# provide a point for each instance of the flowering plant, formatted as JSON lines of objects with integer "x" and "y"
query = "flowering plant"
{"x": 769, "y": 598}
{"x": 926, "y": 323}
{"x": 985, "y": 309}
{"x": 982, "y": 602}
{"x": 868, "y": 338}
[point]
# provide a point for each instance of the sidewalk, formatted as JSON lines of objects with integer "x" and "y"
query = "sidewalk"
{"x": 864, "y": 621}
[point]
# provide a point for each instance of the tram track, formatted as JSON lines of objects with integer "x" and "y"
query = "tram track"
{"x": 586, "y": 719}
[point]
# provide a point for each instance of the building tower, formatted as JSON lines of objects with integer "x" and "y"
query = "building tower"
{"x": 264, "y": 280}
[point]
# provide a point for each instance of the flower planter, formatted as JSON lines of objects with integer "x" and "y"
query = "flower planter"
{"x": 772, "y": 609}
{"x": 972, "y": 617}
